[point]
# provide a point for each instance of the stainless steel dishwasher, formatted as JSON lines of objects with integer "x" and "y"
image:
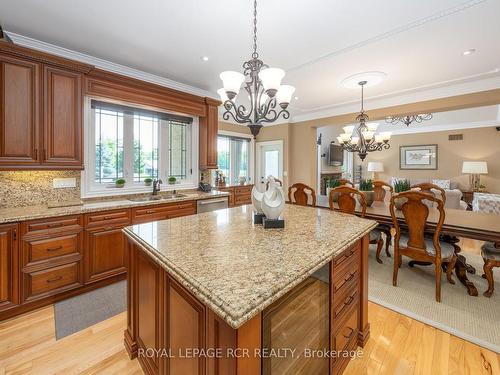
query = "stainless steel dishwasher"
{"x": 206, "y": 205}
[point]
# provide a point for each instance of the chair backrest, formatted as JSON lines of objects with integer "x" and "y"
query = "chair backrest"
{"x": 379, "y": 188}
{"x": 346, "y": 200}
{"x": 300, "y": 194}
{"x": 427, "y": 187}
{"x": 278, "y": 181}
{"x": 345, "y": 182}
{"x": 415, "y": 213}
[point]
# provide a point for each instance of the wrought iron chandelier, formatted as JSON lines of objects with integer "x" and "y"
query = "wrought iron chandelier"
{"x": 408, "y": 119}
{"x": 264, "y": 88}
{"x": 365, "y": 140}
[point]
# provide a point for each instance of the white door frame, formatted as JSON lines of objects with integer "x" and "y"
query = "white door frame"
{"x": 258, "y": 161}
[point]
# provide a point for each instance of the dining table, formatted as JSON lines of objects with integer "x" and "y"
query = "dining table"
{"x": 457, "y": 223}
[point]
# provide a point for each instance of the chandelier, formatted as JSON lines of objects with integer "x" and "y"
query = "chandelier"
{"x": 264, "y": 89}
{"x": 365, "y": 140}
{"x": 408, "y": 119}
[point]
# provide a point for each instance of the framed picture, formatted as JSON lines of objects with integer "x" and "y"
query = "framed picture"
{"x": 418, "y": 157}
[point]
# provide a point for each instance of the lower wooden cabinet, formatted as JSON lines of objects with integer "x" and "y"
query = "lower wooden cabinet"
{"x": 9, "y": 266}
{"x": 238, "y": 195}
{"x": 46, "y": 282}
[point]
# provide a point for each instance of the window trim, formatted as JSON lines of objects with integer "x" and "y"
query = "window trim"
{"x": 252, "y": 150}
{"x": 91, "y": 190}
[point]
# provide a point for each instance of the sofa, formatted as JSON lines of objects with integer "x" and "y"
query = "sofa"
{"x": 453, "y": 194}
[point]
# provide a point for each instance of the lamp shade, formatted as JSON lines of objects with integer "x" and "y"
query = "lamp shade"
{"x": 284, "y": 94}
{"x": 271, "y": 79}
{"x": 375, "y": 166}
{"x": 475, "y": 167}
{"x": 232, "y": 82}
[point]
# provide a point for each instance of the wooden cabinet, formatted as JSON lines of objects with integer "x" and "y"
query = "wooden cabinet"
{"x": 9, "y": 266}
{"x": 51, "y": 257}
{"x": 19, "y": 112}
{"x": 41, "y": 100}
{"x": 162, "y": 212}
{"x": 63, "y": 102}
{"x": 208, "y": 128}
{"x": 105, "y": 244}
{"x": 238, "y": 195}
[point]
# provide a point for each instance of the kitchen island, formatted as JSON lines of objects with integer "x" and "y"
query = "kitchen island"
{"x": 216, "y": 294}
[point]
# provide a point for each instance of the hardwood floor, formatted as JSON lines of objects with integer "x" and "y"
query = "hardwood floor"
{"x": 398, "y": 345}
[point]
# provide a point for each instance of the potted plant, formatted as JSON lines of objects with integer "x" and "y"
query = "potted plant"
{"x": 399, "y": 187}
{"x": 330, "y": 185}
{"x": 172, "y": 180}
{"x": 119, "y": 183}
{"x": 148, "y": 181}
{"x": 366, "y": 188}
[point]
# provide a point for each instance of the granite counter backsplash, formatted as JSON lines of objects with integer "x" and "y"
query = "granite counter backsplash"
{"x": 29, "y": 188}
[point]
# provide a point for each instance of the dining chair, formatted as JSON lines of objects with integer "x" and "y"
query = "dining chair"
{"x": 380, "y": 188}
{"x": 428, "y": 188}
{"x": 300, "y": 194}
{"x": 345, "y": 182}
{"x": 277, "y": 180}
{"x": 346, "y": 202}
{"x": 413, "y": 243}
{"x": 491, "y": 256}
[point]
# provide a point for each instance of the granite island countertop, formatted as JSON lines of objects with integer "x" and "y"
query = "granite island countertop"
{"x": 10, "y": 215}
{"x": 238, "y": 268}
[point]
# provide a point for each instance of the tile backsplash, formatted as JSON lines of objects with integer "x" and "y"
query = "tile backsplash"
{"x": 28, "y": 188}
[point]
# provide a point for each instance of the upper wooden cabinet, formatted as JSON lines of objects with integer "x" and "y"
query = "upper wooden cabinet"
{"x": 19, "y": 111}
{"x": 41, "y": 110}
{"x": 209, "y": 126}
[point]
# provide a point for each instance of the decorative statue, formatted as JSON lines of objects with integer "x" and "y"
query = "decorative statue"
{"x": 269, "y": 203}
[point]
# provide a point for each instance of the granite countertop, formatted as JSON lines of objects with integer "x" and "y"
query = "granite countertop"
{"x": 237, "y": 268}
{"x": 10, "y": 215}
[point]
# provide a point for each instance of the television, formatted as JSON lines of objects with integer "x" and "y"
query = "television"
{"x": 335, "y": 155}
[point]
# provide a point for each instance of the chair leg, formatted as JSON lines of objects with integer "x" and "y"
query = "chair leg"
{"x": 387, "y": 243}
{"x": 396, "y": 267}
{"x": 380, "y": 244}
{"x": 449, "y": 269}
{"x": 488, "y": 272}
{"x": 438, "y": 281}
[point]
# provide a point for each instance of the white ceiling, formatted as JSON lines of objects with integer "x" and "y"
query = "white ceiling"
{"x": 419, "y": 44}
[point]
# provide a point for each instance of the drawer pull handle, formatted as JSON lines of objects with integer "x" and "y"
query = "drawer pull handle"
{"x": 150, "y": 211}
{"x": 346, "y": 280}
{"x": 108, "y": 217}
{"x": 349, "y": 301}
{"x": 54, "y": 279}
{"x": 55, "y": 225}
{"x": 50, "y": 249}
{"x": 109, "y": 228}
{"x": 348, "y": 336}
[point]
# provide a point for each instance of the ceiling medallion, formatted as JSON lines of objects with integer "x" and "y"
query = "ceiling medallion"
{"x": 408, "y": 119}
{"x": 264, "y": 88}
{"x": 365, "y": 140}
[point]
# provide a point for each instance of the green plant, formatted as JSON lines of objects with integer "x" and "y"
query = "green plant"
{"x": 148, "y": 180}
{"x": 402, "y": 185}
{"x": 172, "y": 180}
{"x": 333, "y": 183}
{"x": 120, "y": 182}
{"x": 366, "y": 185}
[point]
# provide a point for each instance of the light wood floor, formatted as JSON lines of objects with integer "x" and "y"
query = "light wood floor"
{"x": 398, "y": 345}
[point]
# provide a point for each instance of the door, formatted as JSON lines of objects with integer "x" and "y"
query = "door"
{"x": 269, "y": 161}
{"x": 62, "y": 118}
{"x": 9, "y": 266}
{"x": 19, "y": 112}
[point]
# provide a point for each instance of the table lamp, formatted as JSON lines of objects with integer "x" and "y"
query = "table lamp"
{"x": 374, "y": 167}
{"x": 475, "y": 169}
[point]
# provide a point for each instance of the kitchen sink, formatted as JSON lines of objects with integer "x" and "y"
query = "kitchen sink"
{"x": 151, "y": 198}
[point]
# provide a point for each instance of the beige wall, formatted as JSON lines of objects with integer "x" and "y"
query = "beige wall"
{"x": 478, "y": 144}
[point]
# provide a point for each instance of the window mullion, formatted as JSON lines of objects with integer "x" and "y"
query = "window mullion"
{"x": 128, "y": 147}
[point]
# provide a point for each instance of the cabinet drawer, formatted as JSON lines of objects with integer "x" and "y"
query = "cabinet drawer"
{"x": 47, "y": 226}
{"x": 243, "y": 190}
{"x": 39, "y": 250}
{"x": 107, "y": 218}
{"x": 53, "y": 280}
{"x": 347, "y": 330}
{"x": 343, "y": 303}
{"x": 348, "y": 256}
{"x": 243, "y": 199}
{"x": 145, "y": 214}
{"x": 345, "y": 275}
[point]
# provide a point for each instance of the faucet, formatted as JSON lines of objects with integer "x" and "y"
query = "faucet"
{"x": 156, "y": 186}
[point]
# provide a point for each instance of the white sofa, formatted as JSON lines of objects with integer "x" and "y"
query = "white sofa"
{"x": 453, "y": 194}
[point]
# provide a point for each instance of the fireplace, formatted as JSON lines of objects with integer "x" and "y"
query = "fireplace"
{"x": 325, "y": 177}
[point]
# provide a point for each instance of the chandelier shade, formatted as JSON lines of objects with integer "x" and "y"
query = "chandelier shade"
{"x": 268, "y": 98}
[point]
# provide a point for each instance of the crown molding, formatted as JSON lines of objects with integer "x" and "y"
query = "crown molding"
{"x": 108, "y": 65}
{"x": 446, "y": 127}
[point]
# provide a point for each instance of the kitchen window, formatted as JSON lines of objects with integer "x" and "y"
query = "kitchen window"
{"x": 235, "y": 158}
{"x": 132, "y": 143}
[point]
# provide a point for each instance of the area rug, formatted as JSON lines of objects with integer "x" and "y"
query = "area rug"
{"x": 77, "y": 313}
{"x": 476, "y": 319}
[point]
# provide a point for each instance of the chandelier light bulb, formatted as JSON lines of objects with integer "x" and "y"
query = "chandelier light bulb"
{"x": 284, "y": 95}
{"x": 346, "y": 137}
{"x": 372, "y": 126}
{"x": 368, "y": 135}
{"x": 354, "y": 140}
{"x": 271, "y": 80}
{"x": 386, "y": 136}
{"x": 349, "y": 129}
{"x": 232, "y": 82}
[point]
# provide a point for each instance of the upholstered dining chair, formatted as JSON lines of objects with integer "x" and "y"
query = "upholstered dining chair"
{"x": 380, "y": 188}
{"x": 299, "y": 194}
{"x": 413, "y": 243}
{"x": 346, "y": 203}
{"x": 491, "y": 256}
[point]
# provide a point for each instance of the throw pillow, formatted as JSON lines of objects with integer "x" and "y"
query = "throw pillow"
{"x": 443, "y": 184}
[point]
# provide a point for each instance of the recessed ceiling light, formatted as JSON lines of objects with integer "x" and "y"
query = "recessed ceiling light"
{"x": 469, "y": 52}
{"x": 371, "y": 78}
{"x": 296, "y": 98}
{"x": 204, "y": 58}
